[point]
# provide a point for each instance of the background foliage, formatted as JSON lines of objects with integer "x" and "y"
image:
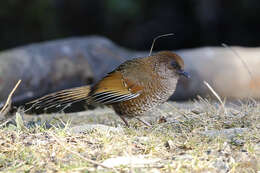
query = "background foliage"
{"x": 132, "y": 23}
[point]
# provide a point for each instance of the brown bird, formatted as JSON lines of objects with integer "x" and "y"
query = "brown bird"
{"x": 132, "y": 89}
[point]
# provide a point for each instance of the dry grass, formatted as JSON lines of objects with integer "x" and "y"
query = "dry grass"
{"x": 181, "y": 144}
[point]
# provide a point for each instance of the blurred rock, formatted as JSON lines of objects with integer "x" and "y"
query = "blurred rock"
{"x": 224, "y": 70}
{"x": 54, "y": 65}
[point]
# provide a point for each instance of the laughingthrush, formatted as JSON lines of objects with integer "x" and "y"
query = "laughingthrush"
{"x": 132, "y": 89}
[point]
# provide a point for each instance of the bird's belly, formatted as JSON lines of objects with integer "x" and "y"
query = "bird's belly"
{"x": 143, "y": 103}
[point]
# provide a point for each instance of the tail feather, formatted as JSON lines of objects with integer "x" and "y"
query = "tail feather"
{"x": 60, "y": 99}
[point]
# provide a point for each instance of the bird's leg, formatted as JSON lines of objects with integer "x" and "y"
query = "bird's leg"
{"x": 126, "y": 123}
{"x": 143, "y": 121}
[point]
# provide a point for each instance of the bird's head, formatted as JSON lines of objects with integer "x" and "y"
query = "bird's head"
{"x": 171, "y": 63}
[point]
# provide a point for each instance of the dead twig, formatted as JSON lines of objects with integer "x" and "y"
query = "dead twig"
{"x": 242, "y": 60}
{"x": 217, "y": 96}
{"x": 7, "y": 106}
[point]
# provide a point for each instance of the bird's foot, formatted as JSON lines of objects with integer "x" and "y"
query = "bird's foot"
{"x": 144, "y": 122}
{"x": 126, "y": 123}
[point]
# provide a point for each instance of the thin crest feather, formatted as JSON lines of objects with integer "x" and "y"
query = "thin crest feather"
{"x": 154, "y": 40}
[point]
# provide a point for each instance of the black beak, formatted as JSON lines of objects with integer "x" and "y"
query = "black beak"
{"x": 184, "y": 73}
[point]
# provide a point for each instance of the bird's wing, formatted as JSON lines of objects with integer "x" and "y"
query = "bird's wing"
{"x": 114, "y": 88}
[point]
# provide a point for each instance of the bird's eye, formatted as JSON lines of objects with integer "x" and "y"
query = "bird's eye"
{"x": 174, "y": 64}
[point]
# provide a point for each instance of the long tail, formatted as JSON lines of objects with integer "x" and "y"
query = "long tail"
{"x": 60, "y": 99}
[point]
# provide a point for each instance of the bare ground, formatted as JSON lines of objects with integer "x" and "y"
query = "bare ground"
{"x": 196, "y": 136}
